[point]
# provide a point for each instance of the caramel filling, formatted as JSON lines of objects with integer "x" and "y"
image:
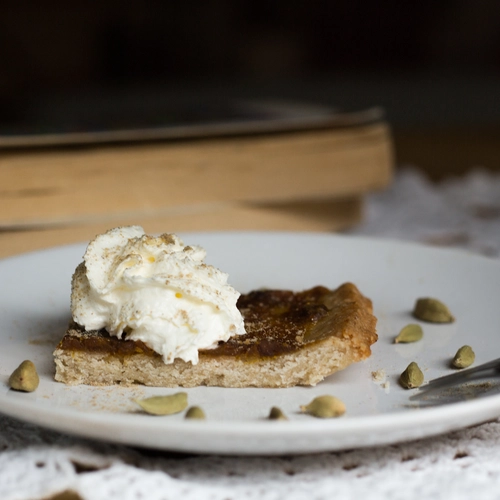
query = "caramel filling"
{"x": 276, "y": 321}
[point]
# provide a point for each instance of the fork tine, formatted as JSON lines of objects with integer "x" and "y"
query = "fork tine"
{"x": 462, "y": 375}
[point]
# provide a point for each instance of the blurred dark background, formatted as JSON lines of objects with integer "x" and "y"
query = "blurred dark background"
{"x": 434, "y": 66}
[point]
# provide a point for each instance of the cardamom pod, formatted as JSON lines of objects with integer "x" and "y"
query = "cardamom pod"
{"x": 196, "y": 413}
{"x": 412, "y": 377}
{"x": 164, "y": 405}
{"x": 324, "y": 407}
{"x": 464, "y": 357}
{"x": 24, "y": 377}
{"x": 409, "y": 333}
{"x": 432, "y": 310}
{"x": 276, "y": 414}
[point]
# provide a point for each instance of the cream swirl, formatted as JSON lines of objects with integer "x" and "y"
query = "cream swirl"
{"x": 157, "y": 290}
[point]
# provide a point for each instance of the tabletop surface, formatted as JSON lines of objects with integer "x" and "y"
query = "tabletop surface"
{"x": 464, "y": 213}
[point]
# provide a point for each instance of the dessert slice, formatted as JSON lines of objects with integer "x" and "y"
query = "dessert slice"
{"x": 292, "y": 338}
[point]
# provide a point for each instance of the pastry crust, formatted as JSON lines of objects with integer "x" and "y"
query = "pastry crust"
{"x": 292, "y": 339}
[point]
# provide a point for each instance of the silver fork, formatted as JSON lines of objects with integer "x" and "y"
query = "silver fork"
{"x": 437, "y": 391}
{"x": 461, "y": 376}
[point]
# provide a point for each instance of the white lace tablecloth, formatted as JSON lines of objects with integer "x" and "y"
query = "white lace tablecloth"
{"x": 36, "y": 463}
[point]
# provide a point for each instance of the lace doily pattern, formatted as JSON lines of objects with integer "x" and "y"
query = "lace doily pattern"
{"x": 459, "y": 212}
{"x": 37, "y": 464}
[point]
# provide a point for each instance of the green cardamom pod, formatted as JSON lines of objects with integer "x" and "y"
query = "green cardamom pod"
{"x": 277, "y": 414}
{"x": 432, "y": 310}
{"x": 164, "y": 405}
{"x": 412, "y": 377}
{"x": 24, "y": 377}
{"x": 409, "y": 333}
{"x": 464, "y": 357}
{"x": 196, "y": 413}
{"x": 325, "y": 407}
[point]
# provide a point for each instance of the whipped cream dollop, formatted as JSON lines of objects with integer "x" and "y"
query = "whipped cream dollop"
{"x": 157, "y": 290}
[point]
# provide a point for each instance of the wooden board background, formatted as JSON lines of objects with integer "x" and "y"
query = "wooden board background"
{"x": 58, "y": 186}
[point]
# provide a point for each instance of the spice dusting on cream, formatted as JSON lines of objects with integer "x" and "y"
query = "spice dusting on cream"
{"x": 157, "y": 290}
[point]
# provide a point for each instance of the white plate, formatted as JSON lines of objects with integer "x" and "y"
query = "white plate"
{"x": 34, "y": 311}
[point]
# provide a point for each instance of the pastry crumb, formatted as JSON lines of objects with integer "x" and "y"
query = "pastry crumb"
{"x": 378, "y": 376}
